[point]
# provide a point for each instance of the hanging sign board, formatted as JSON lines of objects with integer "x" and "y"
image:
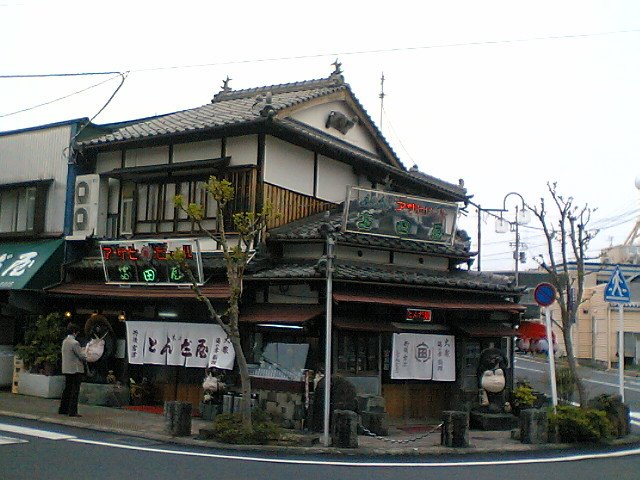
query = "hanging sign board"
{"x": 385, "y": 214}
{"x": 147, "y": 262}
{"x": 179, "y": 344}
{"x": 418, "y": 315}
{"x": 418, "y": 356}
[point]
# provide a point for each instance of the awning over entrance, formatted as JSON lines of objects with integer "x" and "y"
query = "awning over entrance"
{"x": 487, "y": 329}
{"x": 387, "y": 327}
{"x": 362, "y": 326}
{"x": 104, "y": 291}
{"x": 30, "y": 265}
{"x": 280, "y": 313}
{"x": 414, "y": 301}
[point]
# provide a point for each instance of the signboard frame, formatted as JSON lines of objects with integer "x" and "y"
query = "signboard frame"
{"x": 395, "y": 215}
{"x": 418, "y": 315}
{"x": 150, "y": 252}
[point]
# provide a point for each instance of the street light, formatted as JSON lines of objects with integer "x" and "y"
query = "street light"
{"x": 523, "y": 217}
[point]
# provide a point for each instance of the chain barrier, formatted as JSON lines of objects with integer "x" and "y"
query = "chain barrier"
{"x": 392, "y": 440}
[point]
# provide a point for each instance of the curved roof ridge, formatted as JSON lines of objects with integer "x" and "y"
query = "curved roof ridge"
{"x": 332, "y": 81}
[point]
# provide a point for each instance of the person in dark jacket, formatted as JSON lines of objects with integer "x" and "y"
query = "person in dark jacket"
{"x": 73, "y": 357}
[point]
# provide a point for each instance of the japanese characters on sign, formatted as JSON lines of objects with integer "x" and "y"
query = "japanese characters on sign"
{"x": 146, "y": 262}
{"x": 418, "y": 314}
{"x": 179, "y": 344}
{"x": 12, "y": 266}
{"x": 399, "y": 216}
{"x": 418, "y": 356}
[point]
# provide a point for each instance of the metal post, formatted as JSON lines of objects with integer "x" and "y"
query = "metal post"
{"x": 479, "y": 236}
{"x": 552, "y": 360}
{"x": 621, "y": 350}
{"x": 517, "y": 246}
{"x": 326, "y": 440}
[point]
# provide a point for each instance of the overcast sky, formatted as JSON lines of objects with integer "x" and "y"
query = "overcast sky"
{"x": 506, "y": 95}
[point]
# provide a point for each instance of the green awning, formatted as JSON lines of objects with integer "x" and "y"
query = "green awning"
{"x": 31, "y": 265}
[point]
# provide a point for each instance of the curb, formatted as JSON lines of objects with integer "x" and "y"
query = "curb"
{"x": 432, "y": 451}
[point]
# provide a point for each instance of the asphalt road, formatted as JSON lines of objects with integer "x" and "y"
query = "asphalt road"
{"x": 29, "y": 450}
{"x": 596, "y": 381}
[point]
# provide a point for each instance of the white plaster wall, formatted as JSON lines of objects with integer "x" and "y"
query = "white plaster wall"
{"x": 243, "y": 150}
{"x": 333, "y": 178}
{"x": 140, "y": 157}
{"x": 108, "y": 161}
{"x": 380, "y": 257}
{"x": 413, "y": 260}
{"x": 188, "y": 152}
{"x": 316, "y": 116}
{"x": 288, "y": 166}
{"x": 39, "y": 155}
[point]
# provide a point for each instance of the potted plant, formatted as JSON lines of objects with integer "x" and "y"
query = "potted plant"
{"x": 42, "y": 356}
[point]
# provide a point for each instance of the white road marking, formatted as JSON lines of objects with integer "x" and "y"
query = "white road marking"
{"x": 33, "y": 432}
{"x": 340, "y": 463}
{"x": 588, "y": 380}
{"x": 10, "y": 440}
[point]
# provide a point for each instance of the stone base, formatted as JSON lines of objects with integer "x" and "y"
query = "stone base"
{"x": 344, "y": 429}
{"x": 493, "y": 421}
{"x": 208, "y": 411}
{"x": 376, "y": 422}
{"x": 37, "y": 385}
{"x": 104, "y": 394}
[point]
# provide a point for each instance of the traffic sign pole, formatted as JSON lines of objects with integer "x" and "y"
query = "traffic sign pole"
{"x": 621, "y": 350}
{"x": 617, "y": 291}
{"x": 552, "y": 360}
{"x": 545, "y": 295}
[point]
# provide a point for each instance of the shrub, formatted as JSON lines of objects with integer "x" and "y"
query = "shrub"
{"x": 228, "y": 429}
{"x": 565, "y": 383}
{"x": 42, "y": 347}
{"x": 523, "y": 397}
{"x": 617, "y": 412}
{"x": 576, "y": 424}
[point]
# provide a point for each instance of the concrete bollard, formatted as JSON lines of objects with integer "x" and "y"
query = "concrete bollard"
{"x": 344, "y": 433}
{"x": 177, "y": 418}
{"x": 455, "y": 429}
{"x": 534, "y": 426}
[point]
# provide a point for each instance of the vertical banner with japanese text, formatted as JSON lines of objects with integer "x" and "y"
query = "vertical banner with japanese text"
{"x": 179, "y": 344}
{"x": 417, "y": 356}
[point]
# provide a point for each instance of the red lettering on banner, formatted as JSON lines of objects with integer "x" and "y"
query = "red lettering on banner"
{"x": 160, "y": 253}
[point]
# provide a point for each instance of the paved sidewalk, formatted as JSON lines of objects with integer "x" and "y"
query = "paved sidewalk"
{"x": 151, "y": 426}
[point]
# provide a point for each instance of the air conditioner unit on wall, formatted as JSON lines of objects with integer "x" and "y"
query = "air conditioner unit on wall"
{"x": 90, "y": 207}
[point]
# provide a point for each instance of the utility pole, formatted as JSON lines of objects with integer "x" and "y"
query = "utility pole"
{"x": 382, "y": 94}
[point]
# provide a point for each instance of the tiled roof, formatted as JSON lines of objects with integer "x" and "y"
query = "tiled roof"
{"x": 385, "y": 274}
{"x": 227, "y": 108}
{"x": 309, "y": 229}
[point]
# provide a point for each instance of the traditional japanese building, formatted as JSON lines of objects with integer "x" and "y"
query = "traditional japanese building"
{"x": 409, "y": 318}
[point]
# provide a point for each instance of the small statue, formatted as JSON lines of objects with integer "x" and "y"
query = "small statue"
{"x": 492, "y": 381}
{"x": 100, "y": 347}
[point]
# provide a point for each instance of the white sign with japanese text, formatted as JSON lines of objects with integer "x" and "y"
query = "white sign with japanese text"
{"x": 179, "y": 344}
{"x": 418, "y": 356}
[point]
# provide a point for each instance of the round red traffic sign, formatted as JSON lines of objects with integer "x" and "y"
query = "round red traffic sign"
{"x": 544, "y": 294}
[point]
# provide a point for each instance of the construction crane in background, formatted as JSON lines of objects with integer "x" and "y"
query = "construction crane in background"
{"x": 629, "y": 251}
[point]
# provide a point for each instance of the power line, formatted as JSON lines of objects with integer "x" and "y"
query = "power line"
{"x": 33, "y": 107}
{"x": 49, "y": 75}
{"x": 333, "y": 54}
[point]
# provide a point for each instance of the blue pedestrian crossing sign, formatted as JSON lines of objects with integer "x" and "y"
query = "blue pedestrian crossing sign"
{"x": 617, "y": 289}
